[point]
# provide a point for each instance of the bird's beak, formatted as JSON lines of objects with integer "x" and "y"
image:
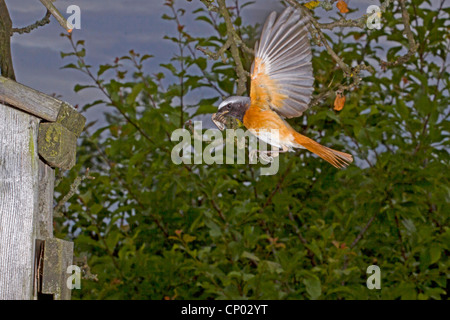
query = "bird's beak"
{"x": 219, "y": 119}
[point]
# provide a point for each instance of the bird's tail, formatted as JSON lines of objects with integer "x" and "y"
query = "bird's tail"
{"x": 335, "y": 158}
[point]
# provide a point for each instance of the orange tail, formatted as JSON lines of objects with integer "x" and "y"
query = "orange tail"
{"x": 335, "y": 158}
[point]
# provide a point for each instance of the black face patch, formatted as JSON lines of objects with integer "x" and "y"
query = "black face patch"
{"x": 233, "y": 110}
{"x": 237, "y": 110}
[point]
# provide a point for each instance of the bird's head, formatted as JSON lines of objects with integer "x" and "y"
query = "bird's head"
{"x": 233, "y": 107}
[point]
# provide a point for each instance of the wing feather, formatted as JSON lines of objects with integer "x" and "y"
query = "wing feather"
{"x": 282, "y": 77}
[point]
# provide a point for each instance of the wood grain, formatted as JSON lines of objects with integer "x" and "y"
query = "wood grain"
{"x": 19, "y": 185}
{"x": 45, "y": 215}
{"x": 29, "y": 100}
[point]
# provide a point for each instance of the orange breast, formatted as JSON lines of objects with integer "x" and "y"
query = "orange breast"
{"x": 256, "y": 119}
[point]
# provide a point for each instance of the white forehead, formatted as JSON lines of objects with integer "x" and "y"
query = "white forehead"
{"x": 232, "y": 99}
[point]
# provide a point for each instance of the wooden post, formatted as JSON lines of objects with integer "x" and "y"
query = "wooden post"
{"x": 19, "y": 173}
{"x": 33, "y": 264}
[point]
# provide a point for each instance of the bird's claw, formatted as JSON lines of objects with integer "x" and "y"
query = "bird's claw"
{"x": 265, "y": 156}
{"x": 252, "y": 155}
{"x": 274, "y": 154}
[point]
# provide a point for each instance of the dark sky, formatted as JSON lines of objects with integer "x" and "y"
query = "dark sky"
{"x": 110, "y": 28}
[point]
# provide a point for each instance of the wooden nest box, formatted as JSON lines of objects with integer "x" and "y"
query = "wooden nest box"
{"x": 37, "y": 134}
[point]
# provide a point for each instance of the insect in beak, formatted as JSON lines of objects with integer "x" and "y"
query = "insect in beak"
{"x": 219, "y": 120}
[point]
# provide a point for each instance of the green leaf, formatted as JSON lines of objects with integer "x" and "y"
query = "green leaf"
{"x": 131, "y": 97}
{"x": 435, "y": 254}
{"x": 205, "y": 109}
{"x": 313, "y": 287}
{"x": 78, "y": 87}
{"x": 188, "y": 238}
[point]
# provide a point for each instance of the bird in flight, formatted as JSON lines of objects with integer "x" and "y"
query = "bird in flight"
{"x": 281, "y": 87}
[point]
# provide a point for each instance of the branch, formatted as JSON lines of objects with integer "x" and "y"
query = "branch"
{"x": 411, "y": 42}
{"x": 87, "y": 274}
{"x": 358, "y": 23}
{"x": 363, "y": 231}
{"x": 357, "y": 239}
{"x": 303, "y": 240}
{"x": 6, "y": 64}
{"x": 58, "y": 16}
{"x": 73, "y": 189}
{"x": 327, "y": 93}
{"x": 218, "y": 54}
{"x": 123, "y": 183}
{"x": 232, "y": 43}
{"x": 209, "y": 5}
{"x": 399, "y": 234}
{"x": 241, "y": 73}
{"x": 99, "y": 85}
{"x": 45, "y": 20}
{"x": 347, "y": 70}
{"x": 352, "y": 23}
{"x": 277, "y": 188}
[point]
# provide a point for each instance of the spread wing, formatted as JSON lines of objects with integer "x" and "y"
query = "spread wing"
{"x": 282, "y": 77}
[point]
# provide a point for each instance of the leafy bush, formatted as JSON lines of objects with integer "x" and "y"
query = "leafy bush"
{"x": 151, "y": 229}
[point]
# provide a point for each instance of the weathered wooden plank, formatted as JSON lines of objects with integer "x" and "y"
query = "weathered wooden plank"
{"x": 58, "y": 256}
{"x": 71, "y": 119}
{"x": 58, "y": 140}
{"x": 45, "y": 214}
{"x": 19, "y": 174}
{"x": 24, "y": 98}
{"x": 57, "y": 145}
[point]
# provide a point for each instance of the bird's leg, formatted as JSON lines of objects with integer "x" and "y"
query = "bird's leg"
{"x": 265, "y": 155}
{"x": 252, "y": 155}
{"x": 262, "y": 154}
{"x": 268, "y": 155}
{"x": 276, "y": 153}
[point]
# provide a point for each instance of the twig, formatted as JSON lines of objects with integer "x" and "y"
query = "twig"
{"x": 88, "y": 275}
{"x": 233, "y": 40}
{"x": 101, "y": 236}
{"x": 303, "y": 240}
{"x": 358, "y": 238}
{"x": 241, "y": 73}
{"x": 192, "y": 51}
{"x": 278, "y": 187}
{"x": 352, "y": 23}
{"x": 362, "y": 232}
{"x": 58, "y": 16}
{"x": 45, "y": 20}
{"x": 262, "y": 222}
{"x": 411, "y": 42}
{"x": 73, "y": 189}
{"x": 219, "y": 53}
{"x": 325, "y": 94}
{"x": 216, "y": 207}
{"x": 112, "y": 168}
{"x": 210, "y": 6}
{"x": 399, "y": 234}
{"x": 347, "y": 70}
{"x": 358, "y": 23}
{"x": 88, "y": 72}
